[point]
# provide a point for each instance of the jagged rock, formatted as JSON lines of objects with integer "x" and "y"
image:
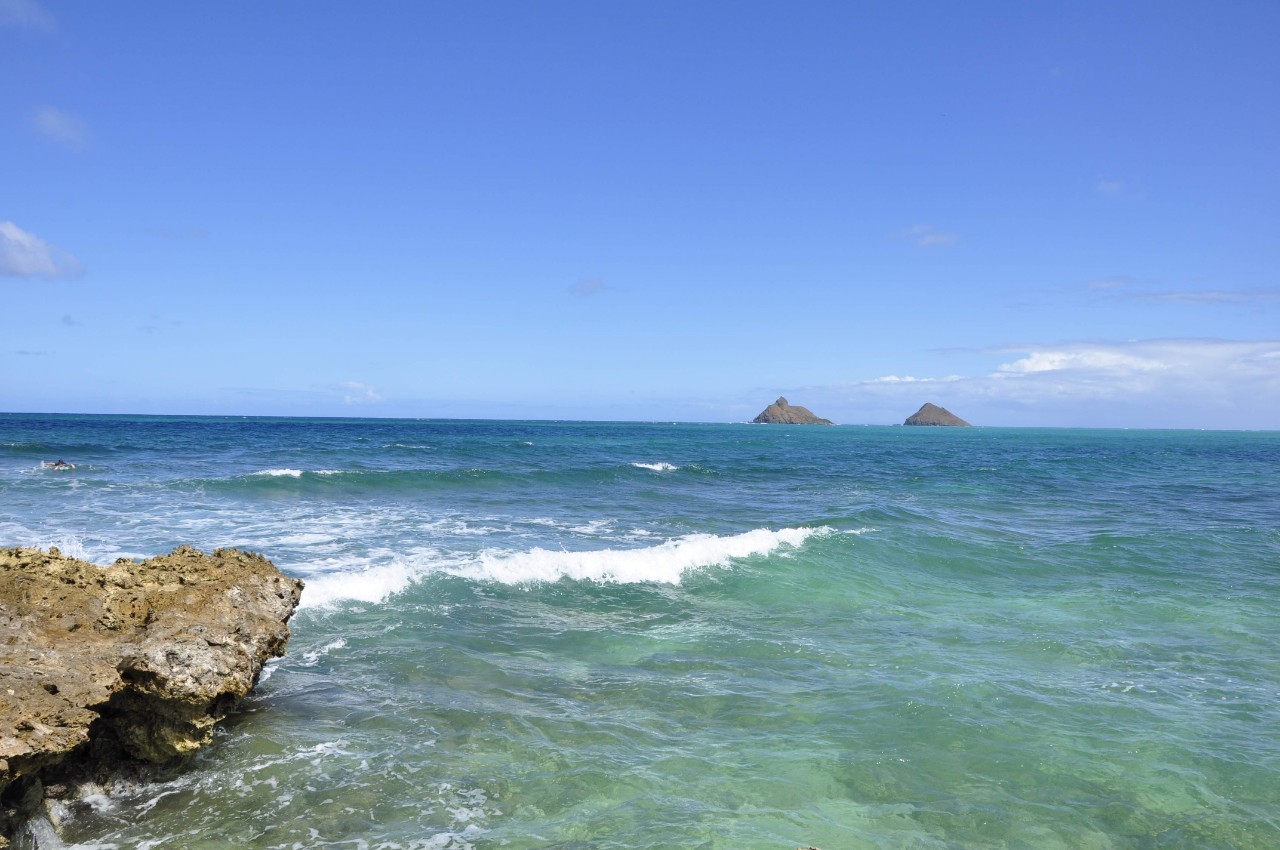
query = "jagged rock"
{"x": 931, "y": 414}
{"x": 137, "y": 660}
{"x": 782, "y": 413}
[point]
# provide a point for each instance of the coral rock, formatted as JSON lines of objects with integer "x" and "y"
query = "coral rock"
{"x": 141, "y": 659}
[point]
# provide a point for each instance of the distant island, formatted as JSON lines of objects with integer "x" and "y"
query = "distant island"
{"x": 931, "y": 414}
{"x": 782, "y": 413}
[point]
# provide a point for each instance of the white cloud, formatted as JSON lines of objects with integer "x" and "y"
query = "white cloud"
{"x": 589, "y": 287}
{"x": 354, "y": 392}
{"x": 1133, "y": 289}
{"x": 1156, "y": 383}
{"x": 1190, "y": 379}
{"x": 25, "y": 13}
{"x": 62, "y": 127}
{"x": 1214, "y": 296}
{"x": 24, "y": 254}
{"x": 928, "y": 236}
{"x": 1087, "y": 358}
{"x": 910, "y": 379}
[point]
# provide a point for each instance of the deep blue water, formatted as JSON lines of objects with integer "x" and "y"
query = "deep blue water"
{"x": 608, "y": 635}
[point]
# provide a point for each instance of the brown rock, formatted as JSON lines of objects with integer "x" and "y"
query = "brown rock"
{"x": 931, "y": 414}
{"x": 782, "y": 413}
{"x": 140, "y": 658}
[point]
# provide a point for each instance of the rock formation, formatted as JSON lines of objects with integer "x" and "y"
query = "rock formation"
{"x": 931, "y": 414}
{"x": 138, "y": 660}
{"x": 782, "y": 413}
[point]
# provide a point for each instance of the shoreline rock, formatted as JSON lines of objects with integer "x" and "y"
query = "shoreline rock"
{"x": 783, "y": 413}
{"x": 931, "y": 414}
{"x": 101, "y": 667}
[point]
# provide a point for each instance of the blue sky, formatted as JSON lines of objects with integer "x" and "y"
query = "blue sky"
{"x": 1029, "y": 213}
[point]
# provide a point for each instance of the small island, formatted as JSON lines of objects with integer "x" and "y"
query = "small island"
{"x": 931, "y": 414}
{"x": 782, "y": 413}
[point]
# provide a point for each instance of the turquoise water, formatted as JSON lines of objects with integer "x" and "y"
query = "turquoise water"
{"x": 572, "y": 635}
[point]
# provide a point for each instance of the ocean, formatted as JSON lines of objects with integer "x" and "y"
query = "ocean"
{"x": 631, "y": 635}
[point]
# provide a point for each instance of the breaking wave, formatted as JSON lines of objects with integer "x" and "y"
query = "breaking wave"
{"x": 665, "y": 563}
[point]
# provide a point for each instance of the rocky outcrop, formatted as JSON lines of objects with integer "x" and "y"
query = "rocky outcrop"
{"x": 138, "y": 660}
{"x": 931, "y": 414}
{"x": 782, "y": 413}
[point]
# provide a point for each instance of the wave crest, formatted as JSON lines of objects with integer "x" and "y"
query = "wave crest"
{"x": 665, "y": 563}
{"x": 374, "y": 584}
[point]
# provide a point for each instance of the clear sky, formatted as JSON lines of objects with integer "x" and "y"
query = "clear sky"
{"x": 1029, "y": 213}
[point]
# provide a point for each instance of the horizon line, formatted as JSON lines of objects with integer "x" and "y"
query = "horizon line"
{"x": 641, "y": 422}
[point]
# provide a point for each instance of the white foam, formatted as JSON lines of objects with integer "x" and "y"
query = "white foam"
{"x": 71, "y": 546}
{"x": 666, "y": 563}
{"x": 373, "y": 584}
{"x": 592, "y": 528}
{"x": 384, "y": 573}
{"x": 280, "y": 473}
{"x": 40, "y": 833}
{"x": 660, "y": 466}
{"x": 310, "y": 659}
{"x": 303, "y": 538}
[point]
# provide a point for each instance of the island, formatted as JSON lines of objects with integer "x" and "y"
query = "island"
{"x": 931, "y": 414}
{"x": 106, "y": 667}
{"x": 782, "y": 413}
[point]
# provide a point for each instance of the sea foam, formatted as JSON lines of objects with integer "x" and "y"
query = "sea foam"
{"x": 660, "y": 466}
{"x": 665, "y": 563}
{"x": 374, "y": 584}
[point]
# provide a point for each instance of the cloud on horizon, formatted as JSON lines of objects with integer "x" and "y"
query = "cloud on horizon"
{"x": 1175, "y": 383}
{"x": 62, "y": 127}
{"x": 26, "y": 255}
{"x": 354, "y": 392}
{"x": 1175, "y": 367}
{"x": 910, "y": 379}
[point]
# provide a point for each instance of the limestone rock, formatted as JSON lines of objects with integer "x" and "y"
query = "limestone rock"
{"x": 139, "y": 659}
{"x": 782, "y": 413}
{"x": 931, "y": 414}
